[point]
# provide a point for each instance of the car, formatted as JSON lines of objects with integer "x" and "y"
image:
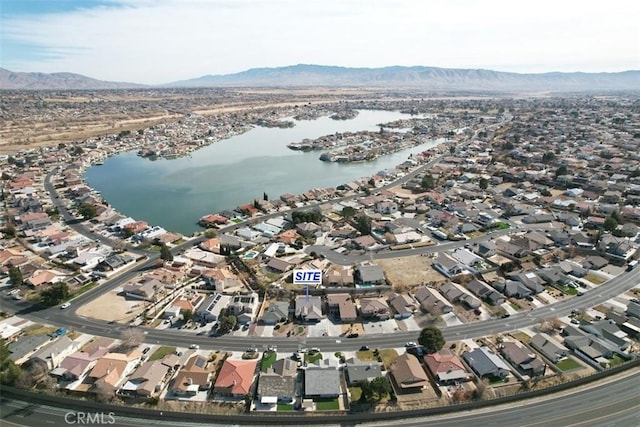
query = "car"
{"x": 529, "y": 298}
{"x": 580, "y": 294}
{"x": 353, "y": 335}
{"x": 411, "y": 344}
{"x": 636, "y": 300}
{"x": 575, "y": 321}
{"x": 364, "y": 348}
{"x": 13, "y": 291}
{"x": 146, "y": 350}
{"x": 17, "y": 297}
{"x": 65, "y": 305}
{"x": 505, "y": 315}
{"x": 194, "y": 346}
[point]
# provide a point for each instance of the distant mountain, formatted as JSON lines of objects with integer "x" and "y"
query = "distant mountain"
{"x": 60, "y": 81}
{"x": 430, "y": 78}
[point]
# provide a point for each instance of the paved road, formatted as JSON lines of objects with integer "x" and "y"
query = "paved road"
{"x": 613, "y": 403}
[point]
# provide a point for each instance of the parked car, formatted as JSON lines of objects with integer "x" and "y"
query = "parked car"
{"x": 65, "y": 305}
{"x": 411, "y": 344}
{"x": 353, "y": 335}
{"x": 194, "y": 346}
{"x": 364, "y": 348}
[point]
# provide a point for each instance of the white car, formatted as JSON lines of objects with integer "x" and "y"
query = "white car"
{"x": 194, "y": 346}
{"x": 411, "y": 344}
{"x": 65, "y": 305}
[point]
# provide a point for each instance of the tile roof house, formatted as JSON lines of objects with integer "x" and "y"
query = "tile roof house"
{"x": 235, "y": 378}
{"x": 278, "y": 384}
{"x": 53, "y": 353}
{"x": 404, "y": 305}
{"x": 110, "y": 369}
{"x": 147, "y": 380}
{"x": 486, "y": 363}
{"x": 341, "y": 306}
{"x": 372, "y": 307}
{"x": 454, "y": 294}
{"x": 76, "y": 364}
{"x": 408, "y": 375}
{"x": 193, "y": 377}
{"x": 485, "y": 292}
{"x": 321, "y": 382}
{"x": 446, "y": 367}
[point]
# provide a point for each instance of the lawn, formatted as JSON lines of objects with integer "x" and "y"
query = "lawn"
{"x": 596, "y": 280}
{"x": 568, "y": 364}
{"x": 314, "y": 357}
{"x": 84, "y": 289}
{"x": 521, "y": 336}
{"x": 355, "y": 392}
{"x": 366, "y": 355}
{"x": 388, "y": 357}
{"x": 267, "y": 360}
{"x": 162, "y": 352}
{"x": 285, "y": 407}
{"x": 39, "y": 329}
{"x": 327, "y": 405}
{"x": 616, "y": 360}
{"x": 503, "y": 226}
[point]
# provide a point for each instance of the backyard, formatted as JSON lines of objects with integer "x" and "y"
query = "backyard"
{"x": 568, "y": 364}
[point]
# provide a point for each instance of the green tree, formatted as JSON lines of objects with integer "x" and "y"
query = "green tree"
{"x": 87, "y": 210}
{"x": 187, "y": 315}
{"x": 548, "y": 157}
{"x": 363, "y": 224}
{"x": 376, "y": 388}
{"x": 15, "y": 275}
{"x": 562, "y": 170}
{"x": 452, "y": 149}
{"x": 165, "y": 253}
{"x": 9, "y": 231}
{"x": 483, "y": 183}
{"x": 265, "y": 197}
{"x": 227, "y": 323}
{"x": 348, "y": 212}
{"x": 210, "y": 233}
{"x": 9, "y": 372}
{"x": 610, "y": 223}
{"x": 55, "y": 294}
{"x": 431, "y": 339}
{"x": 428, "y": 183}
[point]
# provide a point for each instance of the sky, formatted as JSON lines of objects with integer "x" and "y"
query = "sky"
{"x": 162, "y": 41}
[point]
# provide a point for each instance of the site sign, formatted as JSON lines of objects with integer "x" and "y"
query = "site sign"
{"x": 307, "y": 277}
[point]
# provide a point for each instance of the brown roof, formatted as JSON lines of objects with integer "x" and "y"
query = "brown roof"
{"x": 408, "y": 372}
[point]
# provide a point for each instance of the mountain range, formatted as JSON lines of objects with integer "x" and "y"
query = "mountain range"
{"x": 302, "y": 75}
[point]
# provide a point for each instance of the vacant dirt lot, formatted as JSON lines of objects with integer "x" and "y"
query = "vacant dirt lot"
{"x": 112, "y": 307}
{"x": 410, "y": 271}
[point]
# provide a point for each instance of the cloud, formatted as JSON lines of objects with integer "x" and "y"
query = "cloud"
{"x": 157, "y": 41}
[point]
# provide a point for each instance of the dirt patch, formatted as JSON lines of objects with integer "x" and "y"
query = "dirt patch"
{"x": 112, "y": 307}
{"x": 409, "y": 272}
{"x": 355, "y": 328}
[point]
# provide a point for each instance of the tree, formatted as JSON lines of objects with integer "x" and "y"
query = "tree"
{"x": 483, "y": 183}
{"x": 265, "y": 197}
{"x": 348, "y": 212}
{"x": 431, "y": 339}
{"x": 227, "y": 323}
{"x": 452, "y": 149}
{"x": 562, "y": 170}
{"x": 610, "y": 223}
{"x": 548, "y": 157}
{"x": 210, "y": 233}
{"x": 55, "y": 294}
{"x": 130, "y": 339}
{"x": 376, "y": 388}
{"x": 187, "y": 315}
{"x": 428, "y": 183}
{"x": 9, "y": 371}
{"x": 363, "y": 224}
{"x": 15, "y": 275}
{"x": 165, "y": 253}
{"x": 87, "y": 210}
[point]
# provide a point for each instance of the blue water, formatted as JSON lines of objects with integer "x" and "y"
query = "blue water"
{"x": 175, "y": 193}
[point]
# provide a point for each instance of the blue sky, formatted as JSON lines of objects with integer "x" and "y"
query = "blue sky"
{"x": 158, "y": 41}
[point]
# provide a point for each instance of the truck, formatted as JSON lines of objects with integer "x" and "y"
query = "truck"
{"x": 631, "y": 265}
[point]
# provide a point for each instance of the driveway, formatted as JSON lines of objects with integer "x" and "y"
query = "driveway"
{"x": 380, "y": 327}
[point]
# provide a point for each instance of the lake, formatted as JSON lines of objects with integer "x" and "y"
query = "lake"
{"x": 175, "y": 193}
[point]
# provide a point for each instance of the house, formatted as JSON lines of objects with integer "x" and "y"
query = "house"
{"x": 447, "y": 265}
{"x": 74, "y": 366}
{"x": 523, "y": 359}
{"x": 25, "y": 345}
{"x": 278, "y": 384}
{"x": 485, "y": 363}
{"x": 338, "y": 276}
{"x": 530, "y": 280}
{"x": 145, "y": 289}
{"x": 370, "y": 275}
{"x": 454, "y": 294}
{"x": 53, "y": 353}
{"x": 404, "y": 305}
{"x": 594, "y": 262}
{"x": 278, "y": 311}
{"x": 486, "y": 249}
{"x": 235, "y": 378}
{"x": 549, "y": 348}
{"x": 147, "y": 380}
{"x": 195, "y": 376}
{"x": 446, "y": 367}
{"x": 321, "y": 382}
{"x": 111, "y": 369}
{"x": 512, "y": 288}
{"x": 485, "y": 292}
{"x": 307, "y": 229}
{"x": 278, "y": 265}
{"x": 358, "y": 372}
{"x": 342, "y": 307}
{"x": 220, "y": 279}
{"x": 211, "y": 308}
{"x": 408, "y": 375}
{"x": 244, "y": 307}
{"x": 432, "y": 301}
{"x": 308, "y": 308}
{"x": 374, "y": 307}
